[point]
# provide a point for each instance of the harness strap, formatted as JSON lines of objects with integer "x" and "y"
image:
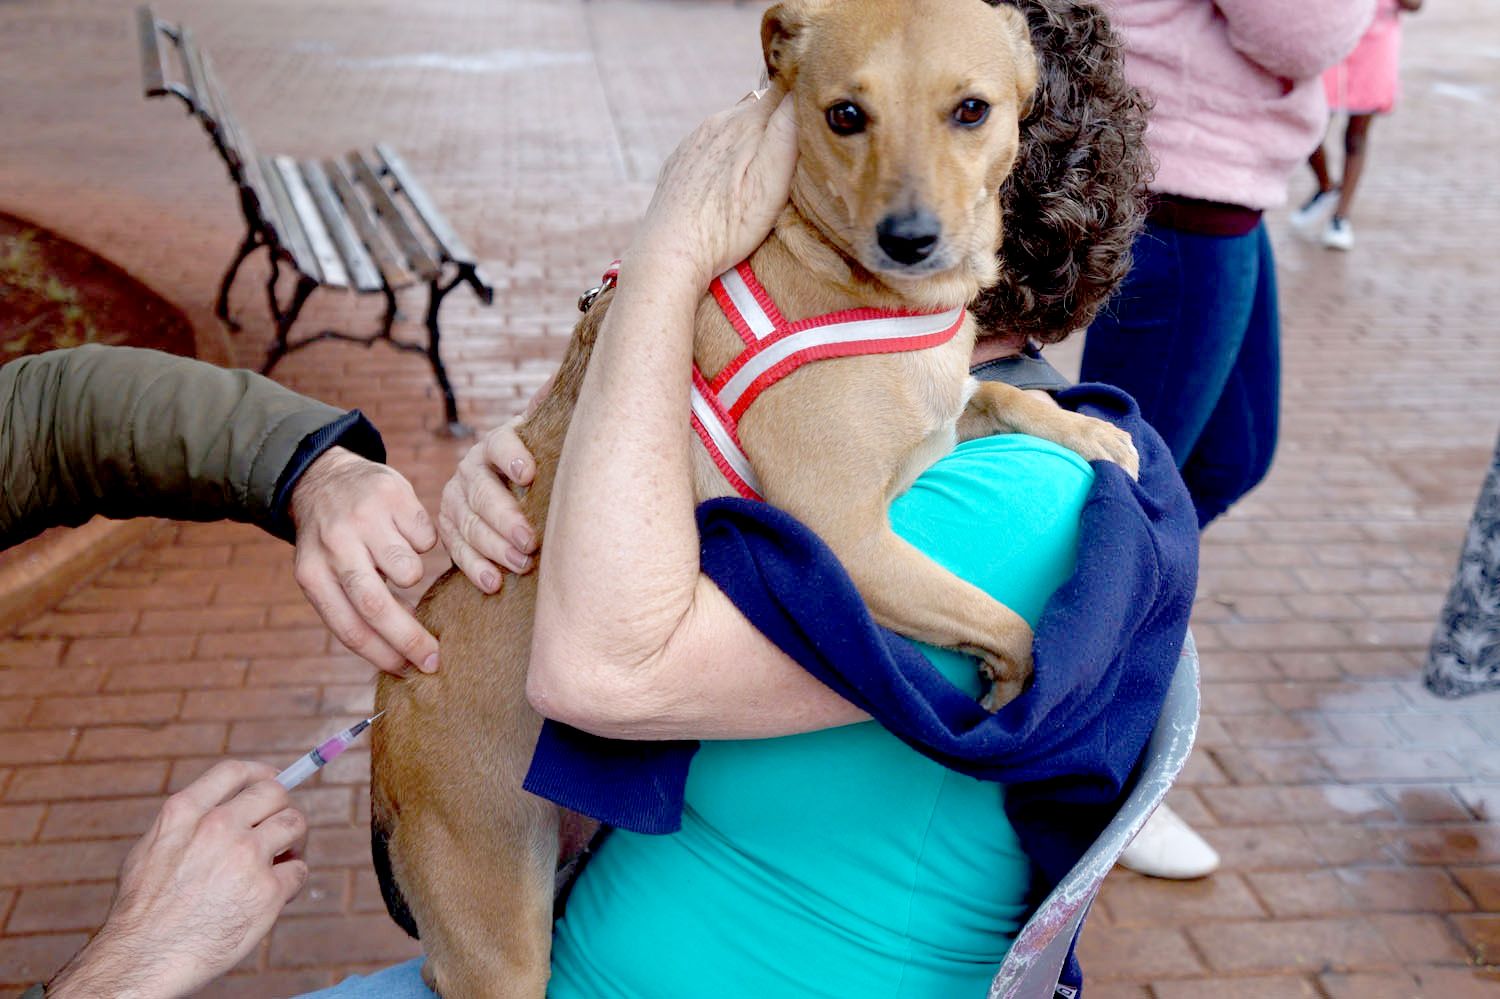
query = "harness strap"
{"x": 774, "y": 348}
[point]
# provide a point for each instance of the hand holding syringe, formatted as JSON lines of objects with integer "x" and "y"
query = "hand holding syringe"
{"x": 318, "y": 757}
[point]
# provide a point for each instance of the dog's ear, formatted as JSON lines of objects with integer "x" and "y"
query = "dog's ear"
{"x": 1022, "y": 53}
{"x": 779, "y": 31}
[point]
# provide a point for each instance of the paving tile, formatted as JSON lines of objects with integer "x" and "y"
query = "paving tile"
{"x": 61, "y": 863}
{"x": 19, "y": 823}
{"x": 1292, "y": 945}
{"x": 51, "y": 908}
{"x": 236, "y": 704}
{"x": 1482, "y": 885}
{"x": 26, "y": 960}
{"x": 1481, "y": 932}
{"x": 1138, "y": 954}
{"x": 145, "y": 742}
{"x": 104, "y": 818}
{"x": 1458, "y": 983}
{"x": 1447, "y": 844}
{"x": 1371, "y": 985}
{"x": 1421, "y": 938}
{"x": 1428, "y": 803}
{"x": 36, "y": 652}
{"x": 35, "y": 747}
{"x": 1250, "y": 987}
{"x": 1141, "y": 901}
{"x": 85, "y": 780}
{"x": 325, "y": 940}
{"x": 25, "y": 682}
{"x": 106, "y": 709}
{"x": 176, "y": 676}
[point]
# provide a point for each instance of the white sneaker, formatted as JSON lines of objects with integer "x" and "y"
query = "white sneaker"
{"x": 1306, "y": 220}
{"x": 1339, "y": 234}
{"x": 1167, "y": 847}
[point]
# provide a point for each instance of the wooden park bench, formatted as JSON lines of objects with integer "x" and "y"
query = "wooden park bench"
{"x": 359, "y": 222}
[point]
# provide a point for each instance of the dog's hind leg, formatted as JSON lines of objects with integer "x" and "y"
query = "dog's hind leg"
{"x": 469, "y": 856}
{"x": 486, "y": 897}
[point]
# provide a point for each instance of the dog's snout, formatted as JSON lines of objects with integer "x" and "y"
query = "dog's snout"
{"x": 909, "y": 237}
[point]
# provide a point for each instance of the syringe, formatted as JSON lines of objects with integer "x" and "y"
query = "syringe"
{"x": 315, "y": 759}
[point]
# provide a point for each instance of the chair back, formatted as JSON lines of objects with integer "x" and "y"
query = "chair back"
{"x": 1035, "y": 962}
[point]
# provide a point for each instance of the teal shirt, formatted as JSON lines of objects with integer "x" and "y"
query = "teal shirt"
{"x": 842, "y": 862}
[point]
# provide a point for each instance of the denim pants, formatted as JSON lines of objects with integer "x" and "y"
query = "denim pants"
{"x": 1194, "y": 335}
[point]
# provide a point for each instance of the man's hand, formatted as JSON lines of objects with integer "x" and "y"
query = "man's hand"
{"x": 197, "y": 892}
{"x": 358, "y": 524}
{"x": 480, "y": 521}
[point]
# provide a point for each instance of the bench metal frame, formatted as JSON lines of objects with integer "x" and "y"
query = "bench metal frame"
{"x": 360, "y": 222}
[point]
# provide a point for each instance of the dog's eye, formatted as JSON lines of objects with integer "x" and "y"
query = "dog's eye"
{"x": 846, "y": 118}
{"x": 971, "y": 112}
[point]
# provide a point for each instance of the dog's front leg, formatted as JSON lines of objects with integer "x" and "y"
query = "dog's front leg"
{"x": 908, "y": 592}
{"x": 997, "y": 408}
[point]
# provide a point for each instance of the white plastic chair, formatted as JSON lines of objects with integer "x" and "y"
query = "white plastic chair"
{"x": 1035, "y": 961}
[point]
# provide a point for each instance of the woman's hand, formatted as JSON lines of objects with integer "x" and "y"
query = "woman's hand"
{"x": 198, "y": 891}
{"x": 479, "y": 519}
{"x": 720, "y": 193}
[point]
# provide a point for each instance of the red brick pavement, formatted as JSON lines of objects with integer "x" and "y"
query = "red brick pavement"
{"x": 1352, "y": 809}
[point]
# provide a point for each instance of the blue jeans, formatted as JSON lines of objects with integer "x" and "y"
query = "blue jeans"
{"x": 1194, "y": 335}
{"x": 403, "y": 981}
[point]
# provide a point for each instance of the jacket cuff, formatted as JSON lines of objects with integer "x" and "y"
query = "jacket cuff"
{"x": 350, "y": 431}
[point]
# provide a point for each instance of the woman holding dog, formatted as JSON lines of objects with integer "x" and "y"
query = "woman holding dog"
{"x": 818, "y": 853}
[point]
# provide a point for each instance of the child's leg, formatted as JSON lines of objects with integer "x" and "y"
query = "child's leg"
{"x": 1319, "y": 163}
{"x": 1356, "y": 140}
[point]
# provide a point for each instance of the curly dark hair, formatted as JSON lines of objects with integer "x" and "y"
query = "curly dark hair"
{"x": 1076, "y": 196}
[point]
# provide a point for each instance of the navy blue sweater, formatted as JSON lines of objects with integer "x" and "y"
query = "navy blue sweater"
{"x": 1105, "y": 650}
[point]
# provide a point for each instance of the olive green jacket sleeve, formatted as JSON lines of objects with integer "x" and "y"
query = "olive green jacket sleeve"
{"x": 127, "y": 433}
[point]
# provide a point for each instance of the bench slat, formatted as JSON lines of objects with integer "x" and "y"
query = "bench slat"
{"x": 436, "y": 223}
{"x": 187, "y": 51}
{"x": 356, "y": 258}
{"x": 288, "y": 231}
{"x": 369, "y": 229}
{"x": 421, "y": 261}
{"x": 311, "y": 221}
{"x": 230, "y": 133}
{"x": 153, "y": 70}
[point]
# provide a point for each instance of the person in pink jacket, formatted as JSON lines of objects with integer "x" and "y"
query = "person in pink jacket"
{"x": 1194, "y": 332}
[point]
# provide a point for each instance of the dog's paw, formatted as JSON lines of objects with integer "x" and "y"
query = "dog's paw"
{"x": 1100, "y": 440}
{"x": 1007, "y": 673}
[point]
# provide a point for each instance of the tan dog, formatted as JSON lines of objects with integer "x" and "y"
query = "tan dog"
{"x": 908, "y": 123}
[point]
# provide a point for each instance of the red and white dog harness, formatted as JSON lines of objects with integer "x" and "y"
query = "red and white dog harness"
{"x": 774, "y": 348}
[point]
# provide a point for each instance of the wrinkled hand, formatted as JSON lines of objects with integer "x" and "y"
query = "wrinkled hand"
{"x": 198, "y": 891}
{"x": 358, "y": 524}
{"x": 479, "y": 519}
{"x": 720, "y": 193}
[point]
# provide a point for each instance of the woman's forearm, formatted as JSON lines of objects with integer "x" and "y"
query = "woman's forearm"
{"x": 620, "y": 564}
{"x": 630, "y": 638}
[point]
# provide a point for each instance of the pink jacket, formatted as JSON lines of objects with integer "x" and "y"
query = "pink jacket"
{"x": 1236, "y": 83}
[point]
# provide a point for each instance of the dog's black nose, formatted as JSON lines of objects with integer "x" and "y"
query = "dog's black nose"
{"x": 909, "y": 238}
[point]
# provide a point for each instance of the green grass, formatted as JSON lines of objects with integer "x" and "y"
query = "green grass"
{"x": 23, "y": 272}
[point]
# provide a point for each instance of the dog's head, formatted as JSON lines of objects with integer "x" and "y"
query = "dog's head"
{"x": 908, "y": 115}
